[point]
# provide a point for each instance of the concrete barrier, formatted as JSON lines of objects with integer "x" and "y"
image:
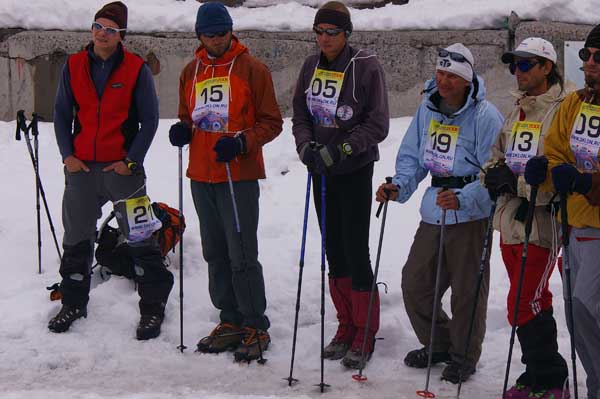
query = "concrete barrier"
{"x": 31, "y": 61}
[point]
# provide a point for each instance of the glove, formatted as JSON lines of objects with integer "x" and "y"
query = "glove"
{"x": 326, "y": 156}
{"x": 229, "y": 147}
{"x": 180, "y": 134}
{"x": 535, "y": 170}
{"x": 500, "y": 180}
{"x": 566, "y": 178}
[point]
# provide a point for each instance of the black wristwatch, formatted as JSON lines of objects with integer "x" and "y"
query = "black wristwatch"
{"x": 131, "y": 165}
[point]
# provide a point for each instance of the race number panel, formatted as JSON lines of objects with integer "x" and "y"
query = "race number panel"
{"x": 440, "y": 148}
{"x": 140, "y": 219}
{"x": 585, "y": 137}
{"x": 523, "y": 145}
{"x": 211, "y": 112}
{"x": 323, "y": 95}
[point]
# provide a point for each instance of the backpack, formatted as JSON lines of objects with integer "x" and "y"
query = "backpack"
{"x": 112, "y": 253}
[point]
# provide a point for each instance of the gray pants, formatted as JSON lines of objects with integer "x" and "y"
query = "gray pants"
{"x": 235, "y": 278}
{"x": 85, "y": 194}
{"x": 460, "y": 269}
{"x": 585, "y": 287}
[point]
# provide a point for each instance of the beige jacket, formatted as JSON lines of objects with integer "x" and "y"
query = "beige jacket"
{"x": 537, "y": 109}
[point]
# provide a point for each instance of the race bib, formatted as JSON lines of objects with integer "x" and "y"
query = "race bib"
{"x": 440, "y": 148}
{"x": 585, "y": 138}
{"x": 141, "y": 220}
{"x": 523, "y": 145}
{"x": 211, "y": 112}
{"x": 322, "y": 96}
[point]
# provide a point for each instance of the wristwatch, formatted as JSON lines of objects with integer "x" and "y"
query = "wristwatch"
{"x": 347, "y": 149}
{"x": 131, "y": 165}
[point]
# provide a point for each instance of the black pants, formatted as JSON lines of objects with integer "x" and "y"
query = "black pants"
{"x": 348, "y": 200}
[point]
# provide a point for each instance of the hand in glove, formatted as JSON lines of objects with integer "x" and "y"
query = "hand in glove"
{"x": 535, "y": 170}
{"x": 566, "y": 179}
{"x": 500, "y": 180}
{"x": 180, "y": 134}
{"x": 229, "y": 147}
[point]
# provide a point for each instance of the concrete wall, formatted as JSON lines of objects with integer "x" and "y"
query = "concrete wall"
{"x": 30, "y": 61}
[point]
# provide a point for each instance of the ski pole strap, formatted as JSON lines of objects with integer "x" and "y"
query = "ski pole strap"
{"x": 452, "y": 181}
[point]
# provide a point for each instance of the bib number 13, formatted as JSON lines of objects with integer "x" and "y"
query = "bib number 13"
{"x": 523, "y": 141}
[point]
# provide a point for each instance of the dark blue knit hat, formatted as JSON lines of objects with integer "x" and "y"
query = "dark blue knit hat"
{"x": 212, "y": 18}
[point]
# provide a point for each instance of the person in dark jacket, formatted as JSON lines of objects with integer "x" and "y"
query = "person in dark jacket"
{"x": 340, "y": 115}
{"x": 105, "y": 117}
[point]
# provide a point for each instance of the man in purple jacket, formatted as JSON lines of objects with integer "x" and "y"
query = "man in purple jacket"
{"x": 340, "y": 115}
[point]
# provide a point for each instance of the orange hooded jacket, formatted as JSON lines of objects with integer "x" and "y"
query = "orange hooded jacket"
{"x": 253, "y": 110}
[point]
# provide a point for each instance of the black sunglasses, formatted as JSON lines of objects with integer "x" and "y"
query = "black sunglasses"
{"x": 329, "y": 32}
{"x": 109, "y": 31}
{"x": 443, "y": 53}
{"x": 585, "y": 54}
{"x": 523, "y": 66}
{"x": 211, "y": 35}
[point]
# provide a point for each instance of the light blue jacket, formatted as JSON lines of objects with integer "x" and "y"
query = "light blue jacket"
{"x": 480, "y": 123}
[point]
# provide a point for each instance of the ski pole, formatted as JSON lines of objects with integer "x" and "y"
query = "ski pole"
{"x": 564, "y": 220}
{"x": 484, "y": 255}
{"x": 181, "y": 346}
{"x": 436, "y": 298}
{"x": 35, "y": 133}
{"x": 322, "y": 385}
{"x": 290, "y": 379}
{"x": 261, "y": 359}
{"x": 528, "y": 223}
{"x": 360, "y": 377}
{"x": 22, "y": 126}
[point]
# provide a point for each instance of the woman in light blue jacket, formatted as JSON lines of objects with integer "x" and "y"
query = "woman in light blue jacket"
{"x": 450, "y": 136}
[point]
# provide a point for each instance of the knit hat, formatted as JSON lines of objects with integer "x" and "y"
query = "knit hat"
{"x": 593, "y": 39}
{"x": 212, "y": 18}
{"x": 450, "y": 61}
{"x": 334, "y": 17}
{"x": 531, "y": 47}
{"x": 116, "y": 12}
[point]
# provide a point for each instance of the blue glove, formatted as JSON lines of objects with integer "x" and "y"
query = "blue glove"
{"x": 566, "y": 178}
{"x": 229, "y": 147}
{"x": 180, "y": 134}
{"x": 535, "y": 170}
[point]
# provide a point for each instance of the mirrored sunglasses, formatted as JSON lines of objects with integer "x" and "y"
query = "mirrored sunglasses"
{"x": 523, "y": 66}
{"x": 585, "y": 54}
{"x": 329, "y": 31}
{"x": 109, "y": 31}
{"x": 211, "y": 35}
{"x": 443, "y": 53}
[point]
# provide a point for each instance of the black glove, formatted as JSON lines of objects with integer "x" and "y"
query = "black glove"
{"x": 180, "y": 134}
{"x": 500, "y": 179}
{"x": 535, "y": 170}
{"x": 566, "y": 179}
{"x": 229, "y": 147}
{"x": 326, "y": 156}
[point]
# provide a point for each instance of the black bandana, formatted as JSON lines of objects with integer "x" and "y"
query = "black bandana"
{"x": 593, "y": 39}
{"x": 333, "y": 17}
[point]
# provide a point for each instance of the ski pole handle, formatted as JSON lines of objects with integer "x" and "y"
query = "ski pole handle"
{"x": 35, "y": 118}
{"x": 21, "y": 124}
{"x": 388, "y": 180}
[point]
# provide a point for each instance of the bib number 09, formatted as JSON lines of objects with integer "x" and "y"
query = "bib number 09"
{"x": 592, "y": 125}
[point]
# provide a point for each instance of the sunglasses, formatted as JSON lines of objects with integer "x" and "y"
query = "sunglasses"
{"x": 523, "y": 66}
{"x": 109, "y": 31}
{"x": 329, "y": 32}
{"x": 443, "y": 53}
{"x": 585, "y": 54}
{"x": 211, "y": 35}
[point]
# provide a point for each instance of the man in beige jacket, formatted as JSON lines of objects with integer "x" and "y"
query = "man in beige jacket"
{"x": 541, "y": 90}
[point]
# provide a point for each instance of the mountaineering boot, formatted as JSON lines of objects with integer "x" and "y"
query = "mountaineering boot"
{"x": 354, "y": 358}
{"x": 418, "y": 358}
{"x": 249, "y": 349}
{"x": 453, "y": 370}
{"x": 518, "y": 391}
{"x": 223, "y": 337}
{"x": 340, "y": 290}
{"x": 149, "y": 326}
{"x": 65, "y": 317}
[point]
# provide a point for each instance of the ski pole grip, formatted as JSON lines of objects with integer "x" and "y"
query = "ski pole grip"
{"x": 20, "y": 124}
{"x": 35, "y": 118}
{"x": 388, "y": 180}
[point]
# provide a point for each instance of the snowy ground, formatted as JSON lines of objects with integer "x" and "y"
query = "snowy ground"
{"x": 287, "y": 15}
{"x": 100, "y": 358}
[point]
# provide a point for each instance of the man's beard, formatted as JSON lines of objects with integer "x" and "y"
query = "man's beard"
{"x": 592, "y": 82}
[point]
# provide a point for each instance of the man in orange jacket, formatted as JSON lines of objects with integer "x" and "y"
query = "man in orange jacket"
{"x": 227, "y": 112}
